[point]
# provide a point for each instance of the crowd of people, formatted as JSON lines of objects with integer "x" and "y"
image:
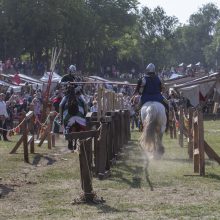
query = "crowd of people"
{"x": 73, "y": 101}
{"x": 13, "y": 105}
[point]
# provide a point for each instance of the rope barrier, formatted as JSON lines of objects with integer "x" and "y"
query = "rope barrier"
{"x": 42, "y": 124}
{"x": 100, "y": 129}
{"x": 20, "y": 124}
{"x": 13, "y": 129}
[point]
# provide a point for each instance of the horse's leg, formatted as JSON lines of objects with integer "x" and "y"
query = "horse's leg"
{"x": 70, "y": 145}
{"x": 70, "y": 142}
{"x": 146, "y": 164}
{"x": 160, "y": 148}
{"x": 74, "y": 129}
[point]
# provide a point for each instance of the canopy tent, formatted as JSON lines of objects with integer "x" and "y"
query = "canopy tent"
{"x": 35, "y": 83}
{"x": 27, "y": 79}
{"x": 197, "y": 92}
{"x": 16, "y": 89}
{"x": 97, "y": 78}
{"x": 181, "y": 65}
{"x": 175, "y": 76}
{"x": 198, "y": 64}
{"x": 55, "y": 77}
{"x": 3, "y": 83}
{"x": 7, "y": 86}
{"x": 189, "y": 66}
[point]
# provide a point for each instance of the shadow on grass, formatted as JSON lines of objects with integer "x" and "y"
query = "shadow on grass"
{"x": 129, "y": 168}
{"x": 38, "y": 158}
{"x": 120, "y": 176}
{"x": 177, "y": 160}
{"x": 213, "y": 176}
{"x": 104, "y": 208}
{"x": 122, "y": 173}
{"x": 5, "y": 190}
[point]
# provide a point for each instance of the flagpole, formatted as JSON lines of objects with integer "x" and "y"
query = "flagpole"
{"x": 54, "y": 59}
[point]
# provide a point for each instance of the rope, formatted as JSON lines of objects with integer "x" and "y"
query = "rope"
{"x": 42, "y": 124}
{"x": 19, "y": 125}
{"x": 100, "y": 129}
{"x": 13, "y": 129}
{"x": 47, "y": 119}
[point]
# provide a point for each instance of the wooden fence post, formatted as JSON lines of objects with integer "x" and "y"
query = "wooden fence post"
{"x": 201, "y": 144}
{"x": 190, "y": 135}
{"x": 25, "y": 141}
{"x": 110, "y": 137}
{"x": 195, "y": 143}
{"x": 181, "y": 124}
{"x": 85, "y": 168}
{"x": 85, "y": 159}
{"x": 127, "y": 125}
{"x": 117, "y": 134}
{"x": 198, "y": 144}
{"x": 102, "y": 152}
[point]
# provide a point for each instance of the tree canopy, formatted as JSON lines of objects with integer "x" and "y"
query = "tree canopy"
{"x": 94, "y": 34}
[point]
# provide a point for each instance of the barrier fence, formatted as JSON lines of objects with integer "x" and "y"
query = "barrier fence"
{"x": 108, "y": 130}
{"x": 27, "y": 137}
{"x": 190, "y": 125}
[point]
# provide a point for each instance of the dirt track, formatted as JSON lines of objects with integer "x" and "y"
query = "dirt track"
{"x": 46, "y": 188}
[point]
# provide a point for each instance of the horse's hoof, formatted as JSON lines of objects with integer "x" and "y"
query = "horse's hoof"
{"x": 70, "y": 146}
{"x": 161, "y": 150}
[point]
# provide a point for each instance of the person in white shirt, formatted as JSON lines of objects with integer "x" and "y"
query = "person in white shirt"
{"x": 3, "y": 116}
{"x": 94, "y": 107}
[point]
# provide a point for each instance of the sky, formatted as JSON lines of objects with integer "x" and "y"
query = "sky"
{"x": 182, "y": 9}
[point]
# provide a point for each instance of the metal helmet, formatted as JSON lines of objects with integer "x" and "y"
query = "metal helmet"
{"x": 150, "y": 68}
{"x": 72, "y": 68}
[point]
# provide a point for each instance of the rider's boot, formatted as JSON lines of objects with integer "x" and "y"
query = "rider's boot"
{"x": 70, "y": 145}
{"x": 166, "y": 105}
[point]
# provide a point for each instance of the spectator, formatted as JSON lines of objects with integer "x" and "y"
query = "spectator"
{"x": 3, "y": 117}
{"x": 94, "y": 107}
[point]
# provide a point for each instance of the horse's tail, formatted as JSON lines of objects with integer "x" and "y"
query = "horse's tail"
{"x": 151, "y": 126}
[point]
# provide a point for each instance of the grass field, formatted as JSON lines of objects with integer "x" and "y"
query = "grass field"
{"x": 45, "y": 188}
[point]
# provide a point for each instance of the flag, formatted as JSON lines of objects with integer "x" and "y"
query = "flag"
{"x": 16, "y": 79}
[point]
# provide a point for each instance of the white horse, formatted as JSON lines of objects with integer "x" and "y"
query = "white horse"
{"x": 154, "y": 120}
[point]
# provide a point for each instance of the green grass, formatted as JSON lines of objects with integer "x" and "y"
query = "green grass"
{"x": 45, "y": 188}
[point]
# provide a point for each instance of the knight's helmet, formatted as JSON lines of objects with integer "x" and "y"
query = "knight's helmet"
{"x": 72, "y": 69}
{"x": 150, "y": 68}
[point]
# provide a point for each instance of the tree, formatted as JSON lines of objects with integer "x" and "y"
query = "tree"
{"x": 192, "y": 40}
{"x": 212, "y": 51}
{"x": 157, "y": 32}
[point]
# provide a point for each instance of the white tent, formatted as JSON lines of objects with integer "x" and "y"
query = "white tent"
{"x": 175, "y": 76}
{"x": 182, "y": 64}
{"x": 10, "y": 86}
{"x": 26, "y": 78}
{"x": 98, "y": 79}
{"x": 55, "y": 77}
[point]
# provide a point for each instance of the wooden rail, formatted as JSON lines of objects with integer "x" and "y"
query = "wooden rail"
{"x": 197, "y": 146}
{"x": 27, "y": 138}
